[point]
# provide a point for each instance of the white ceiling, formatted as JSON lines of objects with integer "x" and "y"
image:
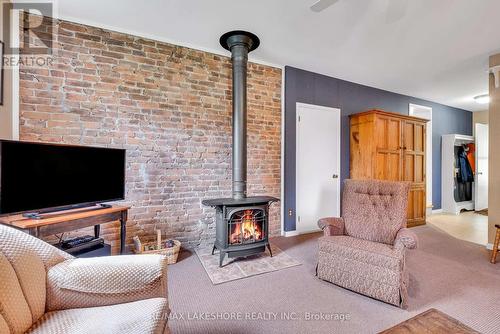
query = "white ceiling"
{"x": 437, "y": 51}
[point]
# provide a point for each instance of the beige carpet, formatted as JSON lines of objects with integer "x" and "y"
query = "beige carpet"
{"x": 446, "y": 273}
{"x": 237, "y": 268}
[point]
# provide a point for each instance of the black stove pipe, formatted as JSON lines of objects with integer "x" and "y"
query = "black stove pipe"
{"x": 240, "y": 43}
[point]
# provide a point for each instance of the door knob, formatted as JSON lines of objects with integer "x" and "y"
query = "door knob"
{"x": 479, "y": 173}
{"x": 335, "y": 176}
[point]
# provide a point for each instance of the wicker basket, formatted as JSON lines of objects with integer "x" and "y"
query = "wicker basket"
{"x": 156, "y": 247}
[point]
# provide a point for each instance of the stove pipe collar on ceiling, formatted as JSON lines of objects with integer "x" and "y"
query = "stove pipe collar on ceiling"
{"x": 240, "y": 43}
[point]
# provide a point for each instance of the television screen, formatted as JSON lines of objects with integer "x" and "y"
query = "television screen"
{"x": 35, "y": 176}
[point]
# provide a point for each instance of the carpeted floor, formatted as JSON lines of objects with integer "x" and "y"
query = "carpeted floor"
{"x": 448, "y": 274}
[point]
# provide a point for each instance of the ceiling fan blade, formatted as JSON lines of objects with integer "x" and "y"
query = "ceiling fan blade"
{"x": 322, "y": 5}
{"x": 396, "y": 10}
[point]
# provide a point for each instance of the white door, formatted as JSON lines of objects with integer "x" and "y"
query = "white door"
{"x": 481, "y": 181}
{"x": 318, "y": 165}
{"x": 426, "y": 113}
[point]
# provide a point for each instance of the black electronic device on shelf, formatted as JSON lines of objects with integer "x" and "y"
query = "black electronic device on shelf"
{"x": 85, "y": 246}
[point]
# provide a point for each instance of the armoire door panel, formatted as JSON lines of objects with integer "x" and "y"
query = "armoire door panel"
{"x": 419, "y": 168}
{"x": 388, "y": 151}
{"x": 414, "y": 169}
{"x": 388, "y": 166}
{"x": 393, "y": 134}
{"x": 409, "y": 167}
{"x": 408, "y": 136}
{"x": 419, "y": 138}
{"x": 394, "y": 171}
{"x": 410, "y": 212}
{"x": 416, "y": 206}
{"x": 388, "y": 133}
{"x": 414, "y": 151}
{"x": 381, "y": 163}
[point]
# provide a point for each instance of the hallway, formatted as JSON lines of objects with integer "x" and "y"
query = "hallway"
{"x": 469, "y": 226}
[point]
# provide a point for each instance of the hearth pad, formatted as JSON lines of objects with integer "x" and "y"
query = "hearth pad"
{"x": 239, "y": 268}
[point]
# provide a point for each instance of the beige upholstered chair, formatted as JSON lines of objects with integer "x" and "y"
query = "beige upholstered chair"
{"x": 44, "y": 290}
{"x": 364, "y": 251}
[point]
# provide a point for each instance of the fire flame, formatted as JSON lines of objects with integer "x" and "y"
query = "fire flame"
{"x": 251, "y": 230}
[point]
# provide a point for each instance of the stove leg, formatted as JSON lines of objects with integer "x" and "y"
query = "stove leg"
{"x": 221, "y": 258}
{"x": 269, "y": 248}
{"x": 213, "y": 250}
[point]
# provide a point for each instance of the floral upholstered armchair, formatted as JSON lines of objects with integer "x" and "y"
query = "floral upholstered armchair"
{"x": 45, "y": 290}
{"x": 364, "y": 250}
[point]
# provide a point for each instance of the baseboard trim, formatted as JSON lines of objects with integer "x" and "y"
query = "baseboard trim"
{"x": 290, "y": 233}
{"x": 434, "y": 212}
{"x": 490, "y": 246}
{"x": 295, "y": 233}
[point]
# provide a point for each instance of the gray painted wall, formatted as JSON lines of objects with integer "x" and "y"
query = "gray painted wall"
{"x": 351, "y": 98}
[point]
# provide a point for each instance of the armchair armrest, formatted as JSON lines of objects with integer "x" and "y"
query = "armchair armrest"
{"x": 406, "y": 238}
{"x": 332, "y": 226}
{"x": 88, "y": 282}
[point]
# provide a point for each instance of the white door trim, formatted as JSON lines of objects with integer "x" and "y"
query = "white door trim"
{"x": 481, "y": 176}
{"x": 337, "y": 148}
{"x": 282, "y": 155}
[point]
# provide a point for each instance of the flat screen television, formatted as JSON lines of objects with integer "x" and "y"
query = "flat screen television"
{"x": 37, "y": 177}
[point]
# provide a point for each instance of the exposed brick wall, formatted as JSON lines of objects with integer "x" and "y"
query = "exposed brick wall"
{"x": 170, "y": 107}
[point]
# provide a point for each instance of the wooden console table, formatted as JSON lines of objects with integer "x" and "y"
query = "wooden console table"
{"x": 71, "y": 220}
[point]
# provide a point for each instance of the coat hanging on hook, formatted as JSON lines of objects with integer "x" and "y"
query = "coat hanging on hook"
{"x": 464, "y": 168}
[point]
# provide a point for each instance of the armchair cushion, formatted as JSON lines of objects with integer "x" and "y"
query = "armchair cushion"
{"x": 374, "y": 210}
{"x": 88, "y": 282}
{"x": 363, "y": 252}
{"x": 406, "y": 238}
{"x": 332, "y": 225}
{"x": 23, "y": 263}
{"x": 37, "y": 278}
{"x": 371, "y": 268}
{"x": 141, "y": 317}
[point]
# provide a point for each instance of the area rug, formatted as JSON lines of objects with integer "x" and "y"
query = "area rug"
{"x": 238, "y": 268}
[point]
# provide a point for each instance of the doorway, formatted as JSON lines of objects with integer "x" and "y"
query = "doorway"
{"x": 481, "y": 181}
{"x": 318, "y": 165}
{"x": 471, "y": 226}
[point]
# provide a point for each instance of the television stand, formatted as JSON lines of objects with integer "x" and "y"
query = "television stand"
{"x": 70, "y": 220}
{"x": 63, "y": 210}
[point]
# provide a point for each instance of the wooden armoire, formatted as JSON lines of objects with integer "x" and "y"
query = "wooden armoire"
{"x": 391, "y": 146}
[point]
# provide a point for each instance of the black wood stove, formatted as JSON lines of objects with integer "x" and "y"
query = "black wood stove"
{"x": 242, "y": 226}
{"x": 242, "y": 223}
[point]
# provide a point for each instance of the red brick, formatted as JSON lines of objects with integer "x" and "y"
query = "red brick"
{"x": 171, "y": 110}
